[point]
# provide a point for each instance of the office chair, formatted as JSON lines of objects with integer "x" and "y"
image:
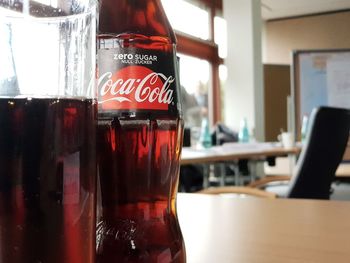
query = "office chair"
{"x": 323, "y": 151}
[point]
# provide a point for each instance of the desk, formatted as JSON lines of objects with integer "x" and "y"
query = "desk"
{"x": 283, "y": 167}
{"x": 234, "y": 152}
{"x": 343, "y": 170}
{"x": 257, "y": 230}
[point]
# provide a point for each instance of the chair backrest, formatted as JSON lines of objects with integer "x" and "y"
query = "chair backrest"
{"x": 323, "y": 151}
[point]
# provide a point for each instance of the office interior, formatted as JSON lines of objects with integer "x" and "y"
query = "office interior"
{"x": 237, "y": 199}
{"x": 250, "y": 77}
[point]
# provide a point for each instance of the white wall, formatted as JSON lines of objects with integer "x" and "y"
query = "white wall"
{"x": 244, "y": 86}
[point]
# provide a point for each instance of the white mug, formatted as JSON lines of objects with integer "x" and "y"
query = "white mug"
{"x": 287, "y": 140}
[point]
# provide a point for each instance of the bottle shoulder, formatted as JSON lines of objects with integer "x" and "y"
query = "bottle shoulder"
{"x": 133, "y": 18}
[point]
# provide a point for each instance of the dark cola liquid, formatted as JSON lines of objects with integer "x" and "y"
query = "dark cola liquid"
{"x": 138, "y": 168}
{"x": 47, "y": 180}
{"x": 138, "y": 145}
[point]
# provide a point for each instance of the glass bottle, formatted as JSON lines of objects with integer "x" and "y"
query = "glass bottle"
{"x": 205, "y": 137}
{"x": 140, "y": 131}
{"x": 243, "y": 135}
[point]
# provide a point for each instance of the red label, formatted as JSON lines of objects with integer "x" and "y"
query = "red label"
{"x": 135, "y": 87}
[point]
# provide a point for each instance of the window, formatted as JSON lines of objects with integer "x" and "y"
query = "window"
{"x": 181, "y": 18}
{"x": 201, "y": 35}
{"x": 194, "y": 89}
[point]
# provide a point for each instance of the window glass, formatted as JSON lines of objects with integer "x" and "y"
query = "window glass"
{"x": 187, "y": 18}
{"x": 194, "y": 18}
{"x": 194, "y": 79}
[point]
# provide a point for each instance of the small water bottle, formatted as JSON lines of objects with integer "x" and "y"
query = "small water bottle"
{"x": 205, "y": 138}
{"x": 243, "y": 135}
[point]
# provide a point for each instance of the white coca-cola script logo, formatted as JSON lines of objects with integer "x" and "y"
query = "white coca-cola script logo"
{"x": 153, "y": 88}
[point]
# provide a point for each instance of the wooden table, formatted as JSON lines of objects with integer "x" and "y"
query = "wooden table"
{"x": 257, "y": 230}
{"x": 343, "y": 170}
{"x": 233, "y": 152}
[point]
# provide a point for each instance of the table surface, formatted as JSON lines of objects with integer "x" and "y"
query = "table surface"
{"x": 257, "y": 230}
{"x": 234, "y": 151}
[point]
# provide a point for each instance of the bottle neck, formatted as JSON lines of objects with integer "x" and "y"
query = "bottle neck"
{"x": 144, "y": 17}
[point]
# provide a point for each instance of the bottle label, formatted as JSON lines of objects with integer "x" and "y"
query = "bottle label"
{"x": 134, "y": 79}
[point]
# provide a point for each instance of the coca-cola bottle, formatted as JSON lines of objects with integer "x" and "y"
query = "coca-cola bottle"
{"x": 140, "y": 131}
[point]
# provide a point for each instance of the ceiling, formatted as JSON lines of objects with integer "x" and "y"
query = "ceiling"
{"x": 274, "y": 9}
